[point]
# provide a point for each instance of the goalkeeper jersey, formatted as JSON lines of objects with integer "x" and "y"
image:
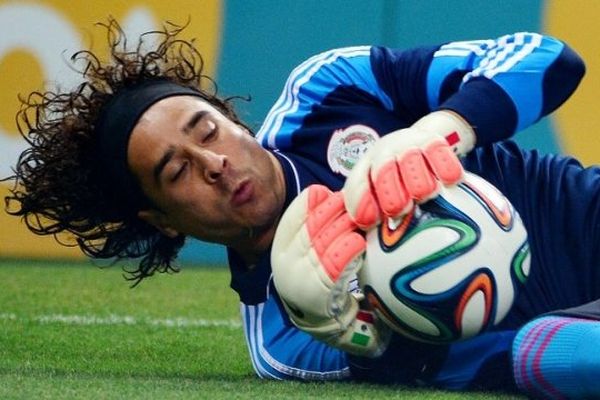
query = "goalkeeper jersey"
{"x": 332, "y": 109}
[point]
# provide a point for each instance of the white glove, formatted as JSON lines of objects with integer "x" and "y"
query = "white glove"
{"x": 316, "y": 253}
{"x": 407, "y": 166}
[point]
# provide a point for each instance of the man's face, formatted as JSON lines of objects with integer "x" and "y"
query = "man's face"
{"x": 206, "y": 175}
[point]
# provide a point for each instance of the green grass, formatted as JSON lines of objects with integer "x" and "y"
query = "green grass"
{"x": 77, "y": 331}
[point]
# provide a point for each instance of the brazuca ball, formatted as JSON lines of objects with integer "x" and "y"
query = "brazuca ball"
{"x": 450, "y": 269}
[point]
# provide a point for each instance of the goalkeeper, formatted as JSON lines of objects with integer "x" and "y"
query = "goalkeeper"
{"x": 139, "y": 157}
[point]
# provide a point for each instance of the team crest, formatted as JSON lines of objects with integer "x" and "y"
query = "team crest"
{"x": 347, "y": 145}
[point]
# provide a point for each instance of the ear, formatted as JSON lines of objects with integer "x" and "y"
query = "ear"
{"x": 158, "y": 220}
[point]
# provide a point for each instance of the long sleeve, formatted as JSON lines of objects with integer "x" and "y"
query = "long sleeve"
{"x": 500, "y": 86}
{"x": 279, "y": 350}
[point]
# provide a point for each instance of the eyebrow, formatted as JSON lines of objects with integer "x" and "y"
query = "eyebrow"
{"x": 193, "y": 121}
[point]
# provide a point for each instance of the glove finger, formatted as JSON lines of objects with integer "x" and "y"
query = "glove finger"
{"x": 444, "y": 163}
{"x": 360, "y": 202}
{"x": 392, "y": 196}
{"x": 338, "y": 227}
{"x": 341, "y": 252}
{"x": 324, "y": 213}
{"x": 418, "y": 178}
{"x": 316, "y": 195}
{"x": 366, "y": 214}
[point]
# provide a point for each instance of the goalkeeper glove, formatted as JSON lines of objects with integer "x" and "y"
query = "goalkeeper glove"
{"x": 316, "y": 253}
{"x": 407, "y": 166}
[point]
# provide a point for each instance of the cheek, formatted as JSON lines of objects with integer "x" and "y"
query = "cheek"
{"x": 194, "y": 206}
{"x": 247, "y": 143}
{"x": 189, "y": 218}
{"x": 189, "y": 200}
{"x": 179, "y": 202}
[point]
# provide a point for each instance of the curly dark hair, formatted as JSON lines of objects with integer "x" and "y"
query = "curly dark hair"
{"x": 56, "y": 190}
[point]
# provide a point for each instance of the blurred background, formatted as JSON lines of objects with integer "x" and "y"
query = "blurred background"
{"x": 251, "y": 46}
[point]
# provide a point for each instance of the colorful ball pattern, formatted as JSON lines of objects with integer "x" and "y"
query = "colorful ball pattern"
{"x": 450, "y": 269}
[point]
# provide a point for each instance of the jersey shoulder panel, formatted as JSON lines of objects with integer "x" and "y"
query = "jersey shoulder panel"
{"x": 310, "y": 83}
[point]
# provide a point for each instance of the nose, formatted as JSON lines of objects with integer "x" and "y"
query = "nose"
{"x": 212, "y": 164}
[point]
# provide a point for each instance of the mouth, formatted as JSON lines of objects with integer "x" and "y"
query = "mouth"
{"x": 243, "y": 193}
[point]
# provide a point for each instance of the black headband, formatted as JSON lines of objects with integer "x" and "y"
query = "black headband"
{"x": 113, "y": 128}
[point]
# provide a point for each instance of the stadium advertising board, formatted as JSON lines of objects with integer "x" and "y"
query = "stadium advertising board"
{"x": 36, "y": 42}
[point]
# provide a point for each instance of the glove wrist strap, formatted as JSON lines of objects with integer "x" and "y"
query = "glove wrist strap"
{"x": 457, "y": 132}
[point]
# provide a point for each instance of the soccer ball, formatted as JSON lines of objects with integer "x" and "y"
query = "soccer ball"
{"x": 451, "y": 268}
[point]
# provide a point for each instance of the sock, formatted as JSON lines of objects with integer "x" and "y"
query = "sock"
{"x": 558, "y": 357}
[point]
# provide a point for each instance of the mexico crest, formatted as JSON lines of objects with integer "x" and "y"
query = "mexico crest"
{"x": 347, "y": 145}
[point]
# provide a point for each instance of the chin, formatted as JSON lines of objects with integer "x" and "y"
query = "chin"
{"x": 264, "y": 223}
{"x": 266, "y": 213}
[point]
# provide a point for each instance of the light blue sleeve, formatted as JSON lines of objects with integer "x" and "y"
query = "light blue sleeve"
{"x": 279, "y": 350}
{"x": 500, "y": 86}
{"x": 517, "y": 63}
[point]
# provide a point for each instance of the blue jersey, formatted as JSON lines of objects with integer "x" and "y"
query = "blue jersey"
{"x": 332, "y": 109}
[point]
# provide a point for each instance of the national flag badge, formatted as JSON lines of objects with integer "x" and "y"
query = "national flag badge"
{"x": 347, "y": 145}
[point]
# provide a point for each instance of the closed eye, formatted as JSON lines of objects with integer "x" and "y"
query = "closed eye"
{"x": 180, "y": 172}
{"x": 212, "y": 134}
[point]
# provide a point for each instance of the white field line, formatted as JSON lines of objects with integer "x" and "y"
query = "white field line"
{"x": 179, "y": 322}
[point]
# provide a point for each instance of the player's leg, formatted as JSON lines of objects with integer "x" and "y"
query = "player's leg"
{"x": 558, "y": 356}
{"x": 555, "y": 356}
